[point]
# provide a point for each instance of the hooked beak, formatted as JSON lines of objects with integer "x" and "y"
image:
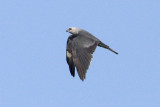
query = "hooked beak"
{"x": 67, "y": 30}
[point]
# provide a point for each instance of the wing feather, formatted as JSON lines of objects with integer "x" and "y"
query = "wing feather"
{"x": 69, "y": 57}
{"x": 82, "y": 51}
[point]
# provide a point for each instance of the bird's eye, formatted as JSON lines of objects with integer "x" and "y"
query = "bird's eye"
{"x": 70, "y": 28}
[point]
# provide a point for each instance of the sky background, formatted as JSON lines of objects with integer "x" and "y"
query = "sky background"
{"x": 33, "y": 68}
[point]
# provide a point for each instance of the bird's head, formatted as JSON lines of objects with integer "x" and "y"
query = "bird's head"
{"x": 73, "y": 30}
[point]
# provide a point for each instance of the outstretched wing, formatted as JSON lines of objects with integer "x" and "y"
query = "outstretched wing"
{"x": 82, "y": 50}
{"x": 69, "y": 57}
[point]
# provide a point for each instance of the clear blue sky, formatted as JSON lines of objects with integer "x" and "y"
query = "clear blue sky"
{"x": 33, "y": 68}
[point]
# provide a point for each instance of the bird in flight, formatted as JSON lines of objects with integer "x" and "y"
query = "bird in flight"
{"x": 80, "y": 47}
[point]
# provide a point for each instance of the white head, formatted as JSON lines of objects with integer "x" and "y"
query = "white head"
{"x": 73, "y": 30}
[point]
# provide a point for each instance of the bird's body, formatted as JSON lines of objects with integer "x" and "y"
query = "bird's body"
{"x": 80, "y": 47}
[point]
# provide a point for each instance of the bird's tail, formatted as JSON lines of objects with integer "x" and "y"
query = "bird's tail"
{"x": 107, "y": 47}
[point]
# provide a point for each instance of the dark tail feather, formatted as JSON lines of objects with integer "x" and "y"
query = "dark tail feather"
{"x": 107, "y": 47}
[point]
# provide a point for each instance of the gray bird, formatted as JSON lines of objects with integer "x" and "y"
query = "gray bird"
{"x": 80, "y": 47}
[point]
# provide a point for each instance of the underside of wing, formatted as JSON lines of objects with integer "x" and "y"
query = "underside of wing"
{"x": 71, "y": 66}
{"x": 69, "y": 57}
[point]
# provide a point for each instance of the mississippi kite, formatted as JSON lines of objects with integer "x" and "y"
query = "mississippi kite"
{"x": 80, "y": 47}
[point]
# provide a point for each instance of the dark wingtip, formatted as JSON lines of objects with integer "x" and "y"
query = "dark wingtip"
{"x": 73, "y": 75}
{"x": 82, "y": 79}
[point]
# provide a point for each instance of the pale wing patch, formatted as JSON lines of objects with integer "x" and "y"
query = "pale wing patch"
{"x": 69, "y": 55}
